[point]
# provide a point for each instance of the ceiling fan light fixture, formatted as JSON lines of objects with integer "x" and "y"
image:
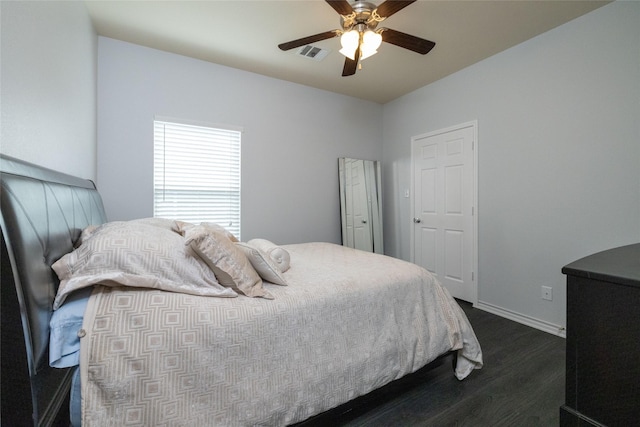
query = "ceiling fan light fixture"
{"x": 349, "y": 41}
{"x": 371, "y": 41}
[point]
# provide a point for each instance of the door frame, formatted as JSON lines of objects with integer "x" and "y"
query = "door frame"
{"x": 474, "y": 258}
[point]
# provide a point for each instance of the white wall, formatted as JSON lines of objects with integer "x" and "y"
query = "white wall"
{"x": 293, "y": 136}
{"x": 559, "y": 155}
{"x": 48, "y": 85}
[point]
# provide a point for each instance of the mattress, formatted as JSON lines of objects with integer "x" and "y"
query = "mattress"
{"x": 347, "y": 323}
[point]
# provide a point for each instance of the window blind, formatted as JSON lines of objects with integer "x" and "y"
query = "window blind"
{"x": 197, "y": 174}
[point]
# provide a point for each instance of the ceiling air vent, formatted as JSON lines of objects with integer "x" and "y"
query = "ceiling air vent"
{"x": 313, "y": 52}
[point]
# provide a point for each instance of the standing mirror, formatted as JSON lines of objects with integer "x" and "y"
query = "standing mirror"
{"x": 361, "y": 204}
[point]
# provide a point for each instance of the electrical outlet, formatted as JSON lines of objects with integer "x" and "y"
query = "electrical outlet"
{"x": 547, "y": 293}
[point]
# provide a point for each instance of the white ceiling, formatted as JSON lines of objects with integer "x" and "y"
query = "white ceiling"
{"x": 245, "y": 34}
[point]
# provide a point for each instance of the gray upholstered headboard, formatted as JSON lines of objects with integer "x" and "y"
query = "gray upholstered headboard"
{"x": 43, "y": 213}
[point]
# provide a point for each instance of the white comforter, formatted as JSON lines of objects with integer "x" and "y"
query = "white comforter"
{"x": 349, "y": 322}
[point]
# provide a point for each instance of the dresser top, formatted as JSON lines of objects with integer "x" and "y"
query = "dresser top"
{"x": 619, "y": 265}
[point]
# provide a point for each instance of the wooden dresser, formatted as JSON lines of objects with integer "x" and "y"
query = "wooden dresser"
{"x": 603, "y": 339}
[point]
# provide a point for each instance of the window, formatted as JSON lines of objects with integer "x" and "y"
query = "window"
{"x": 197, "y": 174}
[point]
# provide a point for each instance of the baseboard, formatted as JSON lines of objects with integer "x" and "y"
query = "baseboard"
{"x": 521, "y": 318}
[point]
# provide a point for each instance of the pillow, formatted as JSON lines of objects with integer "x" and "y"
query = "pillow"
{"x": 138, "y": 255}
{"x": 230, "y": 265}
{"x": 86, "y": 233}
{"x": 182, "y": 228}
{"x": 277, "y": 254}
{"x": 169, "y": 224}
{"x": 263, "y": 264}
{"x": 216, "y": 227}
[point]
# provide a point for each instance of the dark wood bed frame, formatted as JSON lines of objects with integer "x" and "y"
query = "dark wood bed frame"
{"x": 43, "y": 213}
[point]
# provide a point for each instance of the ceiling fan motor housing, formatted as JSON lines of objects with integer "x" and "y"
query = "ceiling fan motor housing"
{"x": 362, "y": 18}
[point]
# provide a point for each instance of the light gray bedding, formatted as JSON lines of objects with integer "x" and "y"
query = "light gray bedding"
{"x": 347, "y": 323}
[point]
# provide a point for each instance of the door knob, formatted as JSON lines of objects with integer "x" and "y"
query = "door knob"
{"x": 364, "y": 221}
{"x": 417, "y": 220}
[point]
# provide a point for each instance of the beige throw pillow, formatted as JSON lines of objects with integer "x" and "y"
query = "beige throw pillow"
{"x": 229, "y": 263}
{"x": 182, "y": 228}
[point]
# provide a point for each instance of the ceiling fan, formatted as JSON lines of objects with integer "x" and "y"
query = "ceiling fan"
{"x": 359, "y": 36}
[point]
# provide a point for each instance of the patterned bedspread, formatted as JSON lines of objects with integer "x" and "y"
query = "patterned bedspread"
{"x": 347, "y": 323}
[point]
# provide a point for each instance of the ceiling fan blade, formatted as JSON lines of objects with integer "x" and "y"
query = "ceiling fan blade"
{"x": 390, "y": 7}
{"x": 407, "y": 41}
{"x": 308, "y": 40}
{"x": 350, "y": 65}
{"x": 341, "y": 6}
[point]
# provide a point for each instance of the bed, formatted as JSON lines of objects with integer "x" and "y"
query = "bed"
{"x": 340, "y": 323}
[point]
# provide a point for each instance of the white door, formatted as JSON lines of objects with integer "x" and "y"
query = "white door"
{"x": 443, "y": 238}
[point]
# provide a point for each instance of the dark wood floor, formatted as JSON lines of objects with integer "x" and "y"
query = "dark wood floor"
{"x": 521, "y": 384}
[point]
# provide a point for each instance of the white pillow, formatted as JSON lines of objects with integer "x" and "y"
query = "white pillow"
{"x": 229, "y": 263}
{"x": 138, "y": 255}
{"x": 277, "y": 254}
{"x": 261, "y": 262}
